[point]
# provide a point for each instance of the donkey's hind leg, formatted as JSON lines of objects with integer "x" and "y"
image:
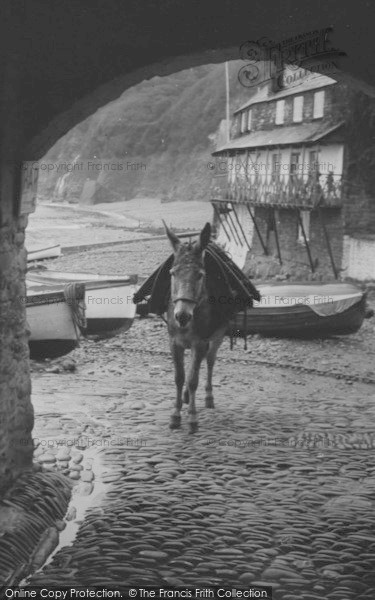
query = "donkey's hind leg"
{"x": 186, "y": 396}
{"x": 197, "y": 355}
{"x": 178, "y": 360}
{"x": 215, "y": 344}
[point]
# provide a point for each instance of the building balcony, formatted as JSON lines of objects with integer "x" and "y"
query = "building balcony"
{"x": 280, "y": 191}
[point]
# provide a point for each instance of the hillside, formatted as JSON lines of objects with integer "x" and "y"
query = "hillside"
{"x": 165, "y": 125}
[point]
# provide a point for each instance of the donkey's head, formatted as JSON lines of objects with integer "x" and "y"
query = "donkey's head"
{"x": 187, "y": 275}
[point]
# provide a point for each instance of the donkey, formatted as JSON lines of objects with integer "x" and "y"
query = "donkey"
{"x": 191, "y": 323}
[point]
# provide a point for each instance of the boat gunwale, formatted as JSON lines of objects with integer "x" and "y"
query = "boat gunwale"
{"x": 296, "y": 308}
{"x": 39, "y": 253}
{"x": 44, "y": 296}
{"x": 106, "y": 282}
{"x": 289, "y": 305}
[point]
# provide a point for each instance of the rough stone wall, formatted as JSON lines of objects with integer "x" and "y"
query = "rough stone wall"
{"x": 16, "y": 413}
{"x": 359, "y": 212}
{"x": 359, "y": 163}
{"x": 293, "y": 253}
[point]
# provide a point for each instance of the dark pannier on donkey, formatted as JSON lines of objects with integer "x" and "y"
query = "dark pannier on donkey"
{"x": 199, "y": 288}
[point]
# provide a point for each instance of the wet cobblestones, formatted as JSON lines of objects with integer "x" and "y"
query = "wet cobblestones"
{"x": 276, "y": 488}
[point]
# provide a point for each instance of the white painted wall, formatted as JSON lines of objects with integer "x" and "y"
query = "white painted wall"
{"x": 332, "y": 155}
{"x": 235, "y": 250}
{"x": 258, "y": 165}
{"x": 359, "y": 258}
{"x": 330, "y": 158}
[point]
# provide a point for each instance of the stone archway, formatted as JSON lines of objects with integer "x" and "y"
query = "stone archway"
{"x": 59, "y": 67}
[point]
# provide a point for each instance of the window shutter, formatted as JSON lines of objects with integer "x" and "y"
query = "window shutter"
{"x": 297, "y": 109}
{"x": 249, "y": 118}
{"x": 280, "y": 112}
{"x": 318, "y": 105}
{"x": 243, "y": 122}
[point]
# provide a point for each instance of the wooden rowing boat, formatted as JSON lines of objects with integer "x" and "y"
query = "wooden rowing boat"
{"x": 303, "y": 310}
{"x": 43, "y": 253}
{"x": 52, "y": 319}
{"x": 108, "y": 298}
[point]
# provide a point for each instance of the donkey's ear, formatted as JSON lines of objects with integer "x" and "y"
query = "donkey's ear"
{"x": 174, "y": 240}
{"x": 204, "y": 237}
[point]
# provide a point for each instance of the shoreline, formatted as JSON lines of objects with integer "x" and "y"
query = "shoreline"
{"x": 73, "y": 226}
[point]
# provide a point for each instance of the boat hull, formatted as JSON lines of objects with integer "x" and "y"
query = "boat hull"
{"x": 43, "y": 253}
{"x": 108, "y": 326}
{"x": 108, "y": 300}
{"x": 40, "y": 349}
{"x": 50, "y": 321}
{"x": 299, "y": 320}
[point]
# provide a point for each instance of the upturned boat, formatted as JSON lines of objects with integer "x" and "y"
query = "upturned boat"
{"x": 303, "y": 310}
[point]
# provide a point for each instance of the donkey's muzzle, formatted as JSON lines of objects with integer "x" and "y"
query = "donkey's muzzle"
{"x": 182, "y": 317}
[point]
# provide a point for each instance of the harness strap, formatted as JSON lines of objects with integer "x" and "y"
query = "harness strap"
{"x": 174, "y": 300}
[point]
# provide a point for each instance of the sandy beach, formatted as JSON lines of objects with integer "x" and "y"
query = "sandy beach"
{"x": 72, "y": 225}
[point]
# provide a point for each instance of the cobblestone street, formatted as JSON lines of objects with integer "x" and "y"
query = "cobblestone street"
{"x": 277, "y": 486}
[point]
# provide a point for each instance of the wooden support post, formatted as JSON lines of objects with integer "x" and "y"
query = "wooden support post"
{"x": 233, "y": 224}
{"x": 334, "y": 268}
{"x": 276, "y": 236}
{"x": 221, "y": 222}
{"x": 227, "y": 221}
{"x": 265, "y": 250}
{"x": 240, "y": 226}
{"x": 306, "y": 242}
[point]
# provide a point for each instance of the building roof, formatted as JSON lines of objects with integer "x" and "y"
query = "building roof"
{"x": 314, "y": 81}
{"x": 281, "y": 136}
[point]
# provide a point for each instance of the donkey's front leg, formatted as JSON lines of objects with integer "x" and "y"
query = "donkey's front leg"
{"x": 178, "y": 360}
{"x": 197, "y": 355}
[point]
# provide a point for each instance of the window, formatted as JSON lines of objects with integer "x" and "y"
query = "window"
{"x": 305, "y": 218}
{"x": 275, "y": 167}
{"x": 313, "y": 159}
{"x": 243, "y": 122}
{"x": 318, "y": 110}
{"x": 279, "y": 120}
{"x": 231, "y": 171}
{"x": 297, "y": 109}
{"x": 314, "y": 164}
{"x": 294, "y": 162}
{"x": 249, "y": 117}
{"x": 251, "y": 166}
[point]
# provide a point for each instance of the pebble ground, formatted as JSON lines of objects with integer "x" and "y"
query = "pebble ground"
{"x": 277, "y": 487}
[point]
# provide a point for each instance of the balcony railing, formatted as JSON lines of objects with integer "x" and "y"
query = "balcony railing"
{"x": 290, "y": 190}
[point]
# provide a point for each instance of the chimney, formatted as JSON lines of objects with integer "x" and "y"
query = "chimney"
{"x": 277, "y": 76}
